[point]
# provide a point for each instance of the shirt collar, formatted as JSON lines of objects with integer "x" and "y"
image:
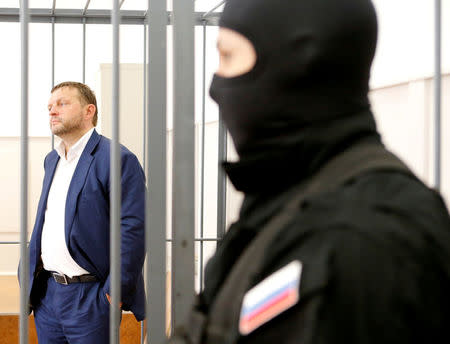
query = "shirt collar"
{"x": 76, "y": 150}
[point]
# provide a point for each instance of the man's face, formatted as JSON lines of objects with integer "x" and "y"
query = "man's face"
{"x": 236, "y": 53}
{"x": 66, "y": 111}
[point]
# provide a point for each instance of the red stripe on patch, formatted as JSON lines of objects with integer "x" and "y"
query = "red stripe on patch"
{"x": 269, "y": 311}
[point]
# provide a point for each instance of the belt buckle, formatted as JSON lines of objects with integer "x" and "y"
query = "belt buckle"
{"x": 60, "y": 278}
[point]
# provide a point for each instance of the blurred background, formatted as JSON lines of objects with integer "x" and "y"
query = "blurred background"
{"x": 402, "y": 96}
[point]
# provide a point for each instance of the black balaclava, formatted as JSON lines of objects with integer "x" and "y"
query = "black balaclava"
{"x": 306, "y": 97}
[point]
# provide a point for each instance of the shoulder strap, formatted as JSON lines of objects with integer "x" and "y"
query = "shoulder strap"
{"x": 353, "y": 163}
{"x": 221, "y": 326}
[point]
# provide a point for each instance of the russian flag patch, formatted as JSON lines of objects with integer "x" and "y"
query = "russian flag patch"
{"x": 271, "y": 297}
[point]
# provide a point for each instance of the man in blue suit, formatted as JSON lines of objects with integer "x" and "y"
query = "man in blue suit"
{"x": 69, "y": 248}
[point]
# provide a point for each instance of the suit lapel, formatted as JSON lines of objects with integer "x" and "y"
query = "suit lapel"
{"x": 48, "y": 178}
{"x": 78, "y": 180}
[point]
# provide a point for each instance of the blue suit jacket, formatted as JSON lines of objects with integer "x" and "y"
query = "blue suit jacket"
{"x": 87, "y": 219}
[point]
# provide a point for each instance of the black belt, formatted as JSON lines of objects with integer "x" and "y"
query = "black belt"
{"x": 64, "y": 279}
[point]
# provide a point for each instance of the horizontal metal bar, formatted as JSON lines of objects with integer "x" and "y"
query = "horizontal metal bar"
{"x": 167, "y": 240}
{"x": 11, "y": 242}
{"x": 199, "y": 239}
{"x": 76, "y": 16}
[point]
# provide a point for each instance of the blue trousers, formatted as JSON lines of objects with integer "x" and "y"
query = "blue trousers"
{"x": 75, "y": 313}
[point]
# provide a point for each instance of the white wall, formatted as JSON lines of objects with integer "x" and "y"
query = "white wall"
{"x": 131, "y": 122}
{"x": 405, "y": 48}
{"x": 10, "y": 191}
{"x": 405, "y": 118}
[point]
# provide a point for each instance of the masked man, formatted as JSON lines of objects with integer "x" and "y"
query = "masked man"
{"x": 337, "y": 240}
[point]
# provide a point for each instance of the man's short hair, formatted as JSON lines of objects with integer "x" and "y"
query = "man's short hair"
{"x": 87, "y": 96}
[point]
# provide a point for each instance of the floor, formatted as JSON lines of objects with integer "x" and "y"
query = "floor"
{"x": 9, "y": 291}
{"x": 9, "y": 317}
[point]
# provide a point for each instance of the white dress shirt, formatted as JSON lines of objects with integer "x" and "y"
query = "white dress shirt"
{"x": 55, "y": 255}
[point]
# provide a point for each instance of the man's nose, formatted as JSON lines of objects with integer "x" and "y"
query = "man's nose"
{"x": 52, "y": 111}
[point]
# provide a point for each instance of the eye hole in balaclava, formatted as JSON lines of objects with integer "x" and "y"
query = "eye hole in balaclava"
{"x": 237, "y": 55}
{"x": 313, "y": 66}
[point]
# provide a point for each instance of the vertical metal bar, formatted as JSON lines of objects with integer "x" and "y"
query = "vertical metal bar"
{"x": 221, "y": 177}
{"x": 438, "y": 92}
{"x": 53, "y": 51}
{"x": 53, "y": 66}
{"x": 24, "y": 260}
{"x": 144, "y": 108}
{"x": 144, "y": 129}
{"x": 84, "y": 50}
{"x": 202, "y": 181}
{"x": 155, "y": 222}
{"x": 86, "y": 7}
{"x": 183, "y": 161}
{"x": 115, "y": 261}
{"x": 221, "y": 182}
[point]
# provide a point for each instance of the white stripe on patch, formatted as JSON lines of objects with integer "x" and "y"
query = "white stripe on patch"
{"x": 271, "y": 297}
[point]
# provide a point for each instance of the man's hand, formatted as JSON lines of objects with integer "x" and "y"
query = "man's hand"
{"x": 109, "y": 300}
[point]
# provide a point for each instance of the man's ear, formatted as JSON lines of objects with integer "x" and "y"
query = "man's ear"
{"x": 90, "y": 111}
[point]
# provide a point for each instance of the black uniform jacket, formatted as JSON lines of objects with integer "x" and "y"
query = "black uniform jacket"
{"x": 375, "y": 255}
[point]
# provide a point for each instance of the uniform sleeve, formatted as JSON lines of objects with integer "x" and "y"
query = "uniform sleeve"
{"x": 353, "y": 290}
